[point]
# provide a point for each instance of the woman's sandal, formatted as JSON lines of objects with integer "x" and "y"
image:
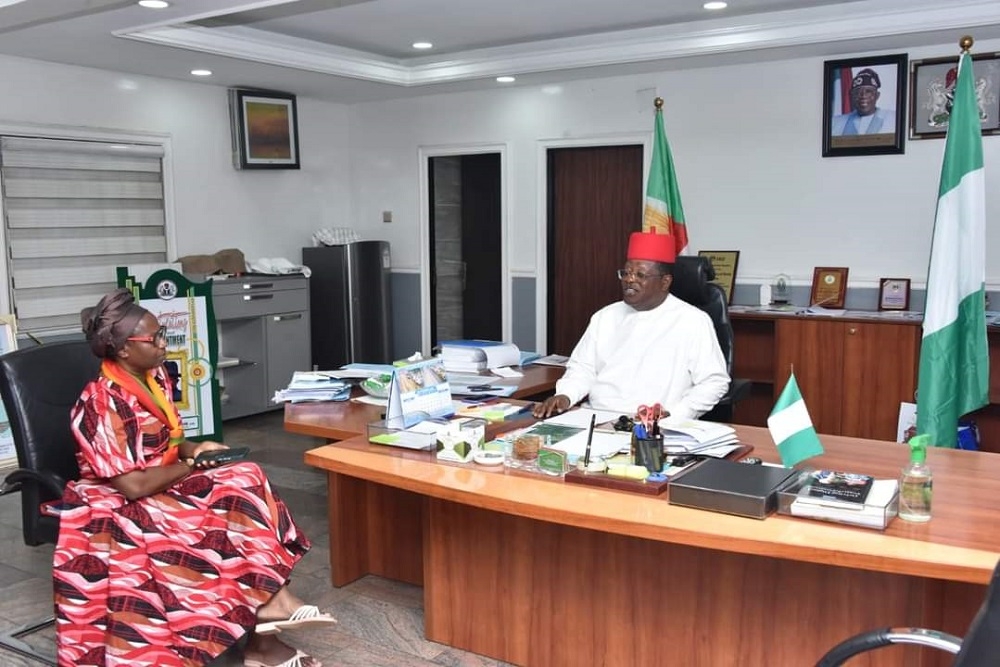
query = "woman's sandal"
{"x": 297, "y": 660}
{"x": 306, "y": 616}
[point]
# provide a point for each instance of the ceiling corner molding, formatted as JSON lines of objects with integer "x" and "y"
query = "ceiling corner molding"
{"x": 824, "y": 24}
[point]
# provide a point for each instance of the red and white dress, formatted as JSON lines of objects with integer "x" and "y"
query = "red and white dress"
{"x": 171, "y": 579}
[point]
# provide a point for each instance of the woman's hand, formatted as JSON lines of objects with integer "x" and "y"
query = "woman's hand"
{"x": 200, "y": 448}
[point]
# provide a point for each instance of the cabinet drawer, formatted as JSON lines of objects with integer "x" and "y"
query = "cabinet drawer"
{"x": 254, "y": 303}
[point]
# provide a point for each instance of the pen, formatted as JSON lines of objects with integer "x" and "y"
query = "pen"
{"x": 590, "y": 438}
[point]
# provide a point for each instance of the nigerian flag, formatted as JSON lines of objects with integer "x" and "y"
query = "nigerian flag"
{"x": 954, "y": 363}
{"x": 663, "y": 211}
{"x": 791, "y": 427}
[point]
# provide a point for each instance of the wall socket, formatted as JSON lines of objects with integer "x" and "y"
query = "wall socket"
{"x": 386, "y": 216}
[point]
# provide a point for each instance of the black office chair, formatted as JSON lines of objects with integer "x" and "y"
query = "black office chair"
{"x": 980, "y": 648}
{"x": 691, "y": 283}
{"x": 39, "y": 385}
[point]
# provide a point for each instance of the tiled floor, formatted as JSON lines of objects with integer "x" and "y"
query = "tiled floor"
{"x": 381, "y": 621}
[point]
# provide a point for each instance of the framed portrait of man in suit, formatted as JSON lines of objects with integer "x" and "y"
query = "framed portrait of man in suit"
{"x": 863, "y": 103}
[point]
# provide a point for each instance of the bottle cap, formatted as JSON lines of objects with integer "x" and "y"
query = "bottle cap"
{"x": 918, "y": 448}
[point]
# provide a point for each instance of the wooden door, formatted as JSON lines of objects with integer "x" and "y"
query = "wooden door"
{"x": 880, "y": 371}
{"x": 815, "y": 350}
{"x": 594, "y": 203}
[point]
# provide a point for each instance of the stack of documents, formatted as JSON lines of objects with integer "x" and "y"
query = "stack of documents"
{"x": 694, "y": 436}
{"x": 306, "y": 386}
{"x": 477, "y": 355}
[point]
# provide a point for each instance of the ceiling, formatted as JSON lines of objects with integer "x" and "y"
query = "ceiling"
{"x": 360, "y": 50}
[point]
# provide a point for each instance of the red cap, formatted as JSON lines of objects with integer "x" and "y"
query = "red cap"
{"x": 652, "y": 247}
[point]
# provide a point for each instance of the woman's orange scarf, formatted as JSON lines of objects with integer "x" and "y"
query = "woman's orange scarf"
{"x": 150, "y": 396}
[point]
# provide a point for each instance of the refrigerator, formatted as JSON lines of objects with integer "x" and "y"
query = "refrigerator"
{"x": 350, "y": 303}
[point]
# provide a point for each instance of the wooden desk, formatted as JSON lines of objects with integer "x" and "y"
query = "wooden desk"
{"x": 534, "y": 571}
{"x": 347, "y": 419}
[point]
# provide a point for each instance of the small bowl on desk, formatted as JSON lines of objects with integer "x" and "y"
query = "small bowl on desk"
{"x": 377, "y": 386}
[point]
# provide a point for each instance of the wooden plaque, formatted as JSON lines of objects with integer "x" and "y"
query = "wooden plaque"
{"x": 724, "y": 262}
{"x": 894, "y": 294}
{"x": 829, "y": 287}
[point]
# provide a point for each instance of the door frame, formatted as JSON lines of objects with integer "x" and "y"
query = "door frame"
{"x": 424, "y": 153}
{"x": 542, "y": 211}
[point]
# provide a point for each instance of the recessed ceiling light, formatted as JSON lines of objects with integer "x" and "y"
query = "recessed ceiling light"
{"x": 422, "y": 45}
{"x": 201, "y": 72}
{"x": 715, "y": 5}
{"x": 154, "y": 4}
{"x": 505, "y": 79}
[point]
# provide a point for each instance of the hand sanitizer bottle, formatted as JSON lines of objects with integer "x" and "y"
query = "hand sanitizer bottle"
{"x": 915, "y": 484}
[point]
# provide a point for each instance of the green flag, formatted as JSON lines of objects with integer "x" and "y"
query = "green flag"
{"x": 792, "y": 428}
{"x": 954, "y": 362}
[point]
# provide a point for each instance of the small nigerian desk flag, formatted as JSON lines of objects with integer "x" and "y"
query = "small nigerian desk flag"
{"x": 791, "y": 427}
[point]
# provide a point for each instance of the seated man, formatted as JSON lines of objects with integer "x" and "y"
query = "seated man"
{"x": 651, "y": 347}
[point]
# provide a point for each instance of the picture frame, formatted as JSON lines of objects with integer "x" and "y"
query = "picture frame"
{"x": 829, "y": 287}
{"x": 265, "y": 129}
{"x": 894, "y": 294}
{"x": 879, "y": 128}
{"x": 932, "y": 79}
{"x": 724, "y": 262}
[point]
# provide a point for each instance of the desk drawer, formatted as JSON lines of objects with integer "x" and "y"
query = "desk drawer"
{"x": 254, "y": 303}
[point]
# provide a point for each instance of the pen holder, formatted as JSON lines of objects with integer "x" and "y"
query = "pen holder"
{"x": 649, "y": 452}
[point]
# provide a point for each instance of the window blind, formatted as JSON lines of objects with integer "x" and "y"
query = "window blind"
{"x": 73, "y": 211}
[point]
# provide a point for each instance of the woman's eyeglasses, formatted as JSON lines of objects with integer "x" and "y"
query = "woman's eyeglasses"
{"x": 624, "y": 274}
{"x": 159, "y": 338}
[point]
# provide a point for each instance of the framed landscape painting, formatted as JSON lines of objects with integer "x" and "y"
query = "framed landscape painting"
{"x": 265, "y": 129}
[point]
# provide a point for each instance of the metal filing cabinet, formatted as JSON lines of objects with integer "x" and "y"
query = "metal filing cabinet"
{"x": 263, "y": 324}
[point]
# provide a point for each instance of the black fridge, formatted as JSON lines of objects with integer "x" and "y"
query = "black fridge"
{"x": 350, "y": 303}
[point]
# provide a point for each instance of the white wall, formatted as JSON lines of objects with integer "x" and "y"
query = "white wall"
{"x": 264, "y": 213}
{"x": 746, "y": 141}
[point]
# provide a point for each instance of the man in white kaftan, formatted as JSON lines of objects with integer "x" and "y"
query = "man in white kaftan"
{"x": 651, "y": 347}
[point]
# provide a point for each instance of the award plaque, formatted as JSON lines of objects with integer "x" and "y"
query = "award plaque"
{"x": 724, "y": 262}
{"x": 894, "y": 294}
{"x": 829, "y": 287}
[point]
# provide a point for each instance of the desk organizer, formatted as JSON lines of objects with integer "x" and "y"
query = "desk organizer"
{"x": 391, "y": 432}
{"x": 878, "y": 510}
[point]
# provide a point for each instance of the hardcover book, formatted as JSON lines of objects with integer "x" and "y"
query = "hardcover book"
{"x": 836, "y": 485}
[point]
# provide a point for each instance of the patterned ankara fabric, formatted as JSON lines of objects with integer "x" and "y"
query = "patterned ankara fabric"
{"x": 170, "y": 579}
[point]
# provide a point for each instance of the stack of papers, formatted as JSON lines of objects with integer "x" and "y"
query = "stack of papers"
{"x": 477, "y": 355}
{"x": 695, "y": 436}
{"x": 308, "y": 386}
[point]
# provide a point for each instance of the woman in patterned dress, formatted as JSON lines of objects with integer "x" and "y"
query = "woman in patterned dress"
{"x": 159, "y": 561}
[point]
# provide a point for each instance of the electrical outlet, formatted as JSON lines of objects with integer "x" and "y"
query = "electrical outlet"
{"x": 386, "y": 216}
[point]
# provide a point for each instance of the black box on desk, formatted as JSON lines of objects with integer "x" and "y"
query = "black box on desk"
{"x": 724, "y": 486}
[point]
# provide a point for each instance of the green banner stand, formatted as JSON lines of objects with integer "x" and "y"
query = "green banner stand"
{"x": 185, "y": 308}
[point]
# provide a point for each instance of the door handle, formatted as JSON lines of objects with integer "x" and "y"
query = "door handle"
{"x": 285, "y": 318}
{"x": 258, "y": 285}
{"x": 257, "y": 297}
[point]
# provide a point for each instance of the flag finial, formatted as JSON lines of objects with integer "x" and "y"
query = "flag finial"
{"x": 966, "y": 43}
{"x": 658, "y": 103}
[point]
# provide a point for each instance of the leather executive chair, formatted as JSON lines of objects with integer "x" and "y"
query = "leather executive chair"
{"x": 980, "y": 648}
{"x": 691, "y": 283}
{"x": 39, "y": 385}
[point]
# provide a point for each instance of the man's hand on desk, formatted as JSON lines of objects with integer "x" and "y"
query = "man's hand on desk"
{"x": 553, "y": 405}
